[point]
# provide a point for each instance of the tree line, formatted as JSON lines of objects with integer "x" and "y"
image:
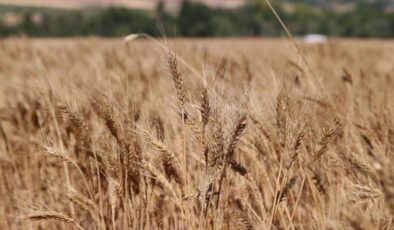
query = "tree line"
{"x": 195, "y": 19}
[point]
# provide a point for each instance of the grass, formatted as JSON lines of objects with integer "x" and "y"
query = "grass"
{"x": 221, "y": 134}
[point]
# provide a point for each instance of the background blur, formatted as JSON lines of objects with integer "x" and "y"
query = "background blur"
{"x": 203, "y": 18}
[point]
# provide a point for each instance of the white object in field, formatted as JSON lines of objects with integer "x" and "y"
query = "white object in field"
{"x": 315, "y": 38}
{"x": 131, "y": 37}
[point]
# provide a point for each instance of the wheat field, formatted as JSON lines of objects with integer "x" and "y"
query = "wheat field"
{"x": 196, "y": 134}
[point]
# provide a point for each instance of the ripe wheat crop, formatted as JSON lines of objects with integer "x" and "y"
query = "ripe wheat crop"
{"x": 196, "y": 134}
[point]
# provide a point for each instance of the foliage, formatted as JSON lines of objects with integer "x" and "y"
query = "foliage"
{"x": 194, "y": 19}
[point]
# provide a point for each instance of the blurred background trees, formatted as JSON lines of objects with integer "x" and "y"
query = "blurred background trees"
{"x": 361, "y": 19}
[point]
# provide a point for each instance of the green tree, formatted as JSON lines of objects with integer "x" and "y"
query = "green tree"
{"x": 195, "y": 19}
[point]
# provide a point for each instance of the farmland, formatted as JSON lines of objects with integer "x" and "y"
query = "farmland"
{"x": 196, "y": 134}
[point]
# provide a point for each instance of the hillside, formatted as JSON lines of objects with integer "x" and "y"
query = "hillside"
{"x": 335, "y": 5}
{"x": 140, "y": 4}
